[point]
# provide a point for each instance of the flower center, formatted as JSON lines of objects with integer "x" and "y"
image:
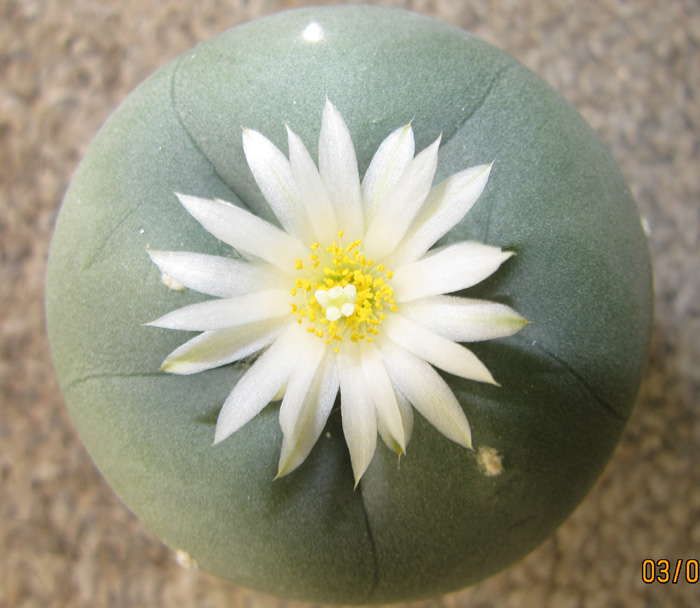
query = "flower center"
{"x": 340, "y": 293}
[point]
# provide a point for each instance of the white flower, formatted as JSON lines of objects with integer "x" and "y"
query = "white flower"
{"x": 348, "y": 297}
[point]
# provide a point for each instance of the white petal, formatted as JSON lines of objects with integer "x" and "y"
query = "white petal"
{"x": 214, "y": 348}
{"x": 310, "y": 419}
{"x": 312, "y": 190}
{"x": 401, "y": 205}
{"x": 215, "y": 275}
{"x": 337, "y": 165}
{"x": 441, "y": 352}
{"x": 358, "y": 411}
{"x": 245, "y": 232}
{"x": 428, "y": 393}
{"x": 406, "y": 412}
{"x": 447, "y": 269}
{"x": 231, "y": 312}
{"x": 258, "y": 386}
{"x": 446, "y": 205}
{"x": 376, "y": 379}
{"x": 464, "y": 319}
{"x": 389, "y": 162}
{"x": 273, "y": 175}
{"x": 310, "y": 351}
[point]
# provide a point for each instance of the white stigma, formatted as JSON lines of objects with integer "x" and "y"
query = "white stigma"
{"x": 337, "y": 301}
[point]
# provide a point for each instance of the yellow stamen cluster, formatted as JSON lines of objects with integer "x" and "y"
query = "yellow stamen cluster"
{"x": 338, "y": 266}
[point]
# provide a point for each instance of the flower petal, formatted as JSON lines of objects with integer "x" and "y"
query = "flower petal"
{"x": 231, "y": 312}
{"x": 215, "y": 275}
{"x": 389, "y": 420}
{"x": 446, "y": 205}
{"x": 258, "y": 385}
{"x": 273, "y": 174}
{"x": 312, "y": 190}
{"x": 303, "y": 426}
{"x": 388, "y": 164}
{"x": 428, "y": 393}
{"x": 406, "y": 414}
{"x": 215, "y": 348}
{"x": 358, "y": 411}
{"x": 464, "y": 319}
{"x": 402, "y": 203}
{"x": 337, "y": 165}
{"x": 245, "y": 232}
{"x": 447, "y": 269}
{"x": 310, "y": 351}
{"x": 441, "y": 352}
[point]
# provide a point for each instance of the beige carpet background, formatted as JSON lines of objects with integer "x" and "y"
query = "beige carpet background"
{"x": 632, "y": 67}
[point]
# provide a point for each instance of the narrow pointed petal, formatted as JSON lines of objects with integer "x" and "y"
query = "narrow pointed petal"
{"x": 215, "y": 275}
{"x": 406, "y": 411}
{"x": 337, "y": 165}
{"x": 428, "y": 393}
{"x": 464, "y": 319}
{"x": 377, "y": 381}
{"x": 312, "y": 190}
{"x": 231, "y": 312}
{"x": 401, "y": 205}
{"x": 245, "y": 232}
{"x": 215, "y": 348}
{"x": 388, "y": 164}
{"x": 446, "y": 205}
{"x": 358, "y": 411}
{"x": 310, "y": 351}
{"x": 447, "y": 269}
{"x": 273, "y": 174}
{"x": 311, "y": 418}
{"x": 441, "y": 352}
{"x": 258, "y": 385}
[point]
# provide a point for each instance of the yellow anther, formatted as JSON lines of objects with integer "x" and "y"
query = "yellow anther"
{"x": 340, "y": 268}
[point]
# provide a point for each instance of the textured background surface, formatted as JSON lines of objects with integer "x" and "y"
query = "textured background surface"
{"x": 631, "y": 68}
